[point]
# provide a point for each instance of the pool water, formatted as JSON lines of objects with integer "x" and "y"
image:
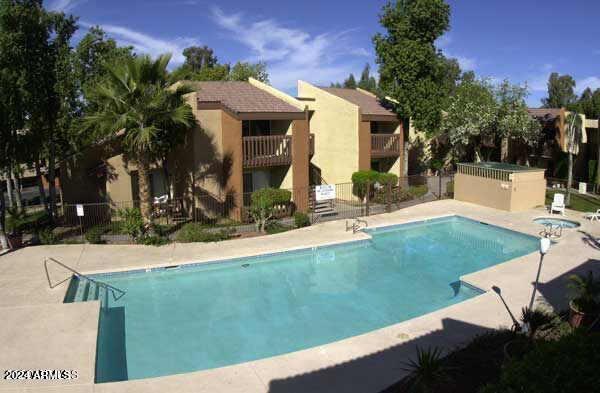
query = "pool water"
{"x": 212, "y": 315}
{"x": 558, "y": 222}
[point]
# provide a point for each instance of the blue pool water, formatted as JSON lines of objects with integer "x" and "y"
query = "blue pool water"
{"x": 206, "y": 316}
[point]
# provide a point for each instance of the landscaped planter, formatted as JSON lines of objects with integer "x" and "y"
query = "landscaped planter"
{"x": 578, "y": 318}
{"x": 15, "y": 241}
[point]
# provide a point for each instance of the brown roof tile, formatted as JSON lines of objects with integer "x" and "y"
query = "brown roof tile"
{"x": 369, "y": 105}
{"x": 242, "y": 97}
{"x": 544, "y": 113}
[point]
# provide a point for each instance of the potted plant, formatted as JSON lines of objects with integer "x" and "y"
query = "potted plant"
{"x": 585, "y": 304}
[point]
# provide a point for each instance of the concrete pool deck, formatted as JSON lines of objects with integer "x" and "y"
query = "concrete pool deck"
{"x": 38, "y": 331}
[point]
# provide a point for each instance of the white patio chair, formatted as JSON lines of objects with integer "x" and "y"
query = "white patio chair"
{"x": 593, "y": 216}
{"x": 558, "y": 204}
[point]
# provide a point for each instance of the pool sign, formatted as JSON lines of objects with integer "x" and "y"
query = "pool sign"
{"x": 79, "y": 210}
{"x": 325, "y": 192}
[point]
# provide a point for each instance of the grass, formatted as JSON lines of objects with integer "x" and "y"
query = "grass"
{"x": 582, "y": 203}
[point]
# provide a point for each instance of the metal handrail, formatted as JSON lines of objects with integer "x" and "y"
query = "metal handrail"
{"x": 108, "y": 287}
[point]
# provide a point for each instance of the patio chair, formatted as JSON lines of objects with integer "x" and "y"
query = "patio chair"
{"x": 593, "y": 216}
{"x": 558, "y": 204}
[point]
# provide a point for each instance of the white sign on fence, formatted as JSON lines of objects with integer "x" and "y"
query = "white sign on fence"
{"x": 325, "y": 192}
{"x": 79, "y": 210}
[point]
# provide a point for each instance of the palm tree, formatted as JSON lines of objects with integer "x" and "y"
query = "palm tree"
{"x": 574, "y": 126}
{"x": 137, "y": 104}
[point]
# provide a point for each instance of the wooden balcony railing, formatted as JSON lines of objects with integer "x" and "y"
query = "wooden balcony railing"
{"x": 271, "y": 150}
{"x": 385, "y": 145}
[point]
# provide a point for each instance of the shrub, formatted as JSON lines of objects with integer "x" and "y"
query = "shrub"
{"x": 360, "y": 180}
{"x": 132, "y": 223}
{"x": 154, "y": 240}
{"x": 301, "y": 220}
{"x": 586, "y": 292}
{"x": 387, "y": 179}
{"x": 47, "y": 236}
{"x": 94, "y": 235}
{"x": 197, "y": 233}
{"x": 275, "y": 227}
{"x": 418, "y": 191}
{"x": 569, "y": 364}
{"x": 263, "y": 204}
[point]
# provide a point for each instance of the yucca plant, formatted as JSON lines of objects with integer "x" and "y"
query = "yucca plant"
{"x": 427, "y": 370}
{"x": 137, "y": 103}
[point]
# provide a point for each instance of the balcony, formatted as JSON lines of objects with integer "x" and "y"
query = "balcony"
{"x": 385, "y": 145}
{"x": 270, "y": 150}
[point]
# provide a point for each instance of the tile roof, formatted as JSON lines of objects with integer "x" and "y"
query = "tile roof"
{"x": 242, "y": 97}
{"x": 544, "y": 113}
{"x": 369, "y": 105}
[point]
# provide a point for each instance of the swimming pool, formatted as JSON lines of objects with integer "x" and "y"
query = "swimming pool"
{"x": 211, "y": 315}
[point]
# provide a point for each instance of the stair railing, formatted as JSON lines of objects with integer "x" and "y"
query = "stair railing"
{"x": 116, "y": 292}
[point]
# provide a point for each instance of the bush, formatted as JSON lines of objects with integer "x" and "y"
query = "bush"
{"x": 154, "y": 240}
{"x": 360, "y": 180}
{"x": 132, "y": 223}
{"x": 47, "y": 236}
{"x": 275, "y": 227}
{"x": 264, "y": 202}
{"x": 94, "y": 235}
{"x": 387, "y": 179}
{"x": 567, "y": 365}
{"x": 301, "y": 220}
{"x": 197, "y": 233}
{"x": 418, "y": 191}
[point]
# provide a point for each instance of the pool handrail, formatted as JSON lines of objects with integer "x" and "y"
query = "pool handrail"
{"x": 108, "y": 287}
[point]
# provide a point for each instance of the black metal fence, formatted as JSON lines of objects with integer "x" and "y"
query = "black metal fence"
{"x": 233, "y": 211}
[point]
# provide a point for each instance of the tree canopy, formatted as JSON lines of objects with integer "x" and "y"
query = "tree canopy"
{"x": 412, "y": 71}
{"x": 561, "y": 91}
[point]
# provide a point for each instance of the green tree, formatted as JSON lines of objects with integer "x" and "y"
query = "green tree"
{"x": 561, "y": 91}
{"x": 470, "y": 119}
{"x": 198, "y": 58}
{"x": 263, "y": 205}
{"x": 513, "y": 122}
{"x": 244, "y": 71}
{"x": 367, "y": 81}
{"x": 409, "y": 63}
{"x": 574, "y": 133}
{"x": 138, "y": 102}
{"x": 350, "y": 83}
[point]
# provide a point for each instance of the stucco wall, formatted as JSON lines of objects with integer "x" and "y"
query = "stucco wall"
{"x": 335, "y": 124}
{"x": 526, "y": 191}
{"x": 119, "y": 183}
{"x": 529, "y": 190}
{"x": 483, "y": 191}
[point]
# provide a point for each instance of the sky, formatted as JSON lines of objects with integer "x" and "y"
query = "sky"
{"x": 324, "y": 41}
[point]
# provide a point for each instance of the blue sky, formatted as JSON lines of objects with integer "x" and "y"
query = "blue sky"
{"x": 323, "y": 41}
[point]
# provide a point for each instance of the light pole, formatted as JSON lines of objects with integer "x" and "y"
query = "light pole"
{"x": 544, "y": 248}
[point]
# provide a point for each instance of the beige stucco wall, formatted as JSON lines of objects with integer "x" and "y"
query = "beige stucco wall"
{"x": 335, "y": 124}
{"x": 118, "y": 186}
{"x": 528, "y": 191}
{"x": 525, "y": 191}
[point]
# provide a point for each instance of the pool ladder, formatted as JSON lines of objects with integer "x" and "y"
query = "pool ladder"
{"x": 116, "y": 292}
{"x": 356, "y": 225}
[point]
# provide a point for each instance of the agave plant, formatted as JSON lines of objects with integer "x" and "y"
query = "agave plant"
{"x": 536, "y": 320}
{"x": 427, "y": 370}
{"x": 587, "y": 292}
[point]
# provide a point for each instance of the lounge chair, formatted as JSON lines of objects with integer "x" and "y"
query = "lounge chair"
{"x": 593, "y": 216}
{"x": 558, "y": 204}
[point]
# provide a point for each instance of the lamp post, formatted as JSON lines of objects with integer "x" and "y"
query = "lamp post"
{"x": 544, "y": 248}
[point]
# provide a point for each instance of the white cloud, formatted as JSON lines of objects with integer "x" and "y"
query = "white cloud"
{"x": 64, "y": 5}
{"x": 466, "y": 63}
{"x": 147, "y": 44}
{"x": 593, "y": 82}
{"x": 444, "y": 41}
{"x": 293, "y": 54}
